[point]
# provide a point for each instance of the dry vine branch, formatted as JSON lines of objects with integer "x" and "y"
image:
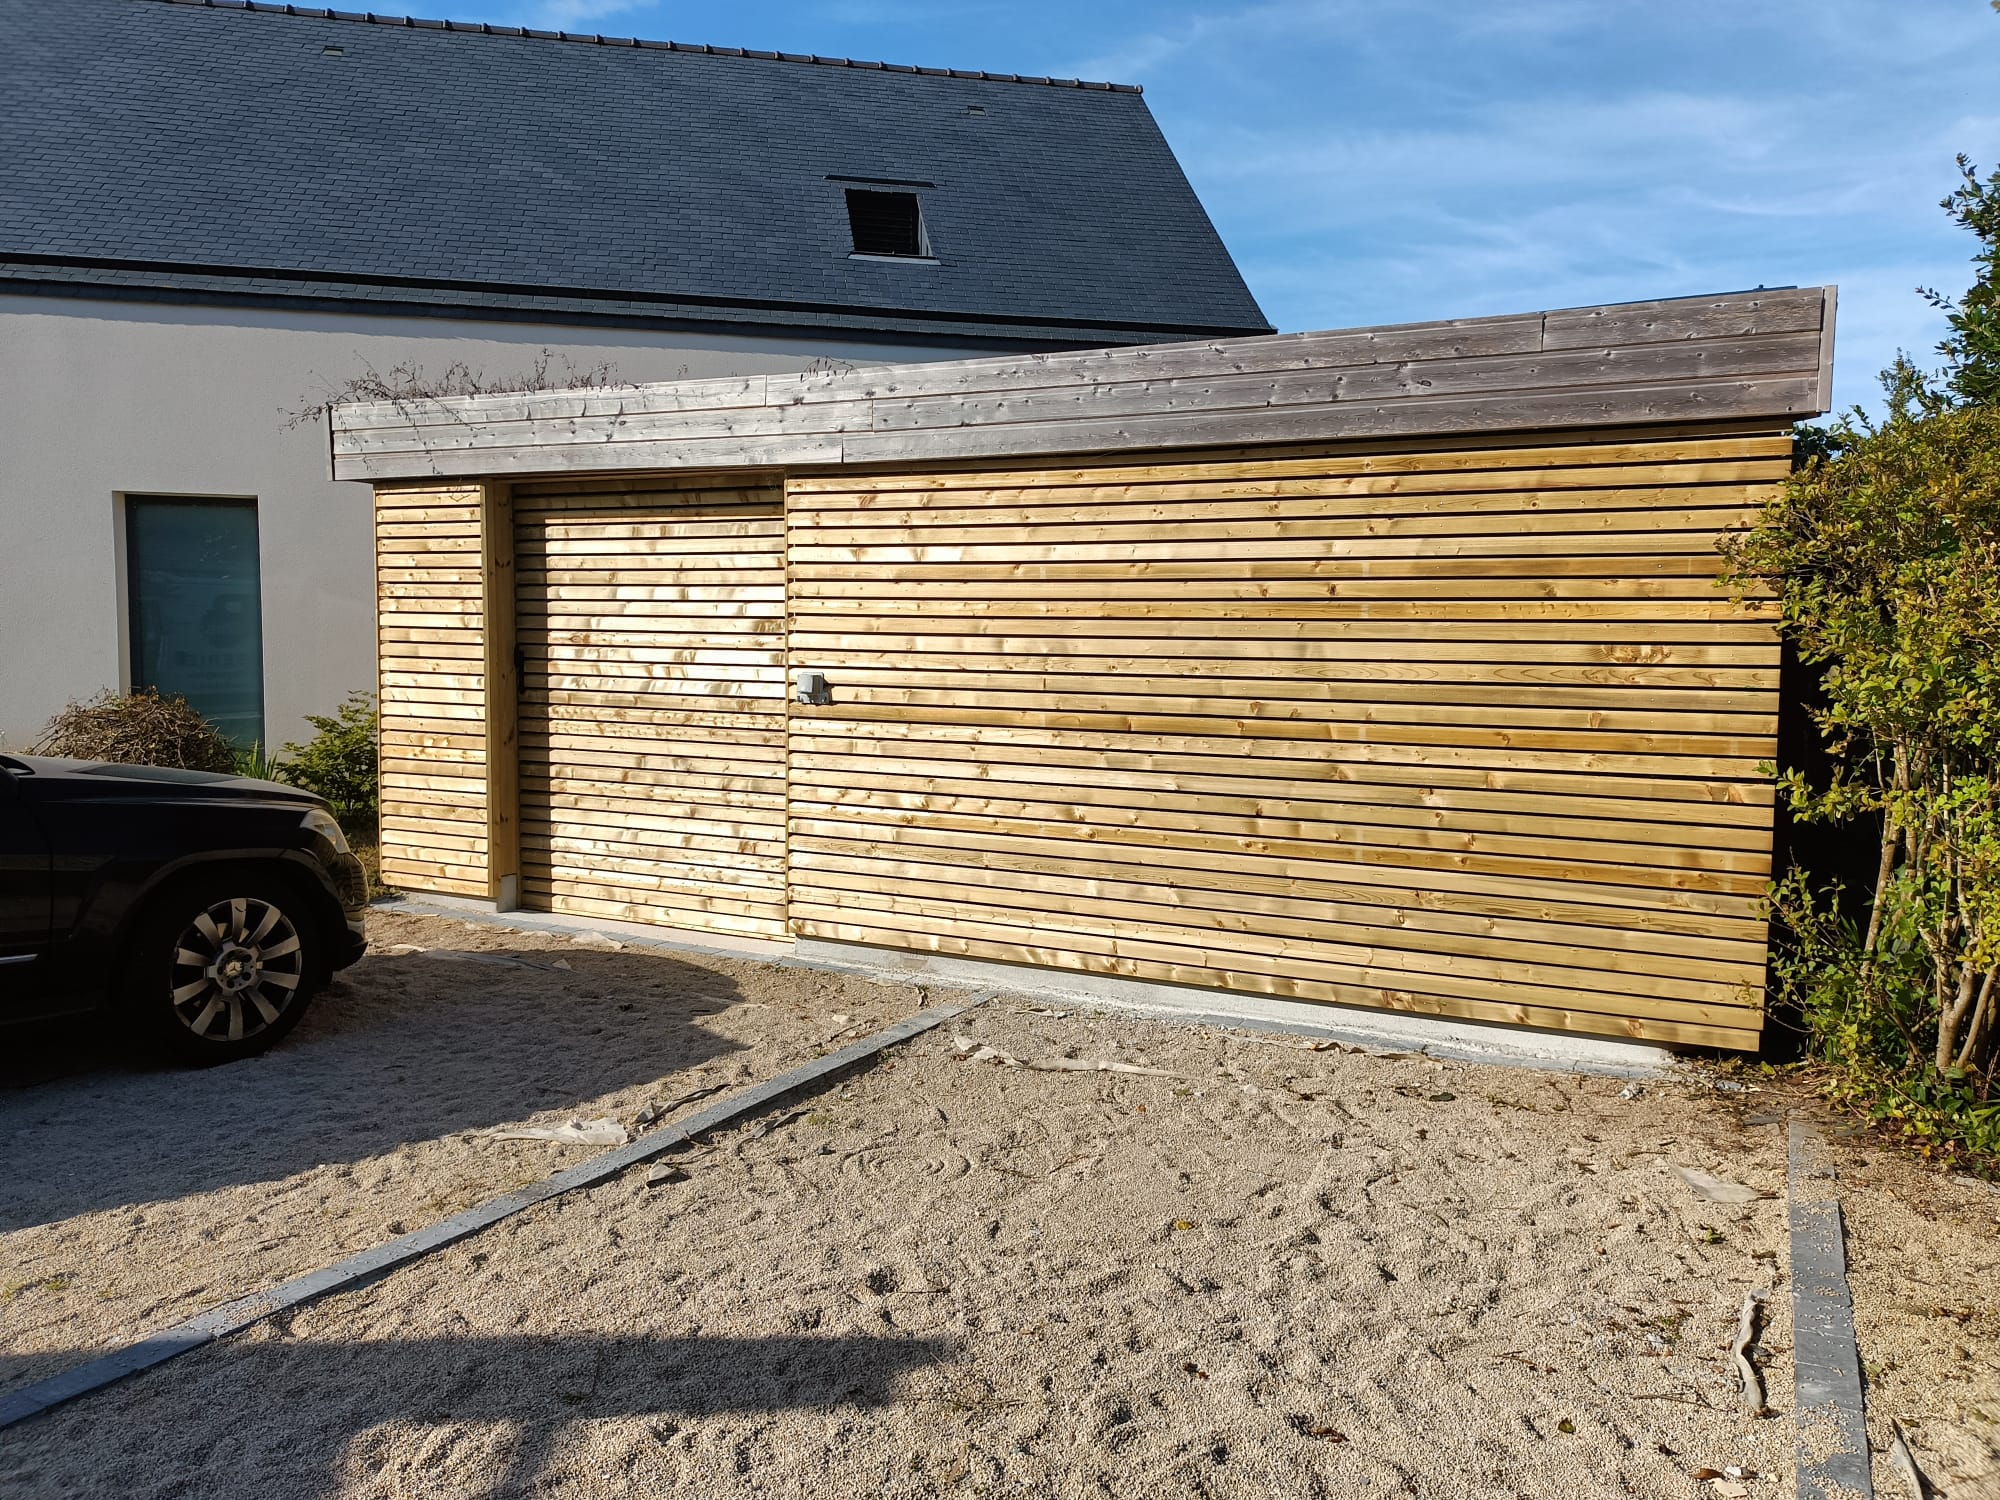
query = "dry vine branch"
{"x": 410, "y": 382}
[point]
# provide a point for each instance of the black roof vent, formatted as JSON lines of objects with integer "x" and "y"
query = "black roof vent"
{"x": 885, "y": 223}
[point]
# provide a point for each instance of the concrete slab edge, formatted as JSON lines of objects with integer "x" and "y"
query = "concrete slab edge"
{"x": 1830, "y": 1414}
{"x": 1435, "y": 1036}
{"x": 369, "y": 1265}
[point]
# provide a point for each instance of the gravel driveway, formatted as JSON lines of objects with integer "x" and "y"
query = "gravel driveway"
{"x": 1239, "y": 1265}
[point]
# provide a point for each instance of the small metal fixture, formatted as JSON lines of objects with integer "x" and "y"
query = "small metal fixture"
{"x": 811, "y": 687}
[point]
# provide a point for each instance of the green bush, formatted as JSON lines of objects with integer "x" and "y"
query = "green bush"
{"x": 137, "y": 729}
{"x": 1884, "y": 551}
{"x": 1870, "y": 1018}
{"x": 338, "y": 762}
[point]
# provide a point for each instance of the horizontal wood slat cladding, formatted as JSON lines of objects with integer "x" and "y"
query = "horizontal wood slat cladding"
{"x": 650, "y": 620}
{"x": 1764, "y": 354}
{"x": 433, "y": 772}
{"x": 1250, "y": 721}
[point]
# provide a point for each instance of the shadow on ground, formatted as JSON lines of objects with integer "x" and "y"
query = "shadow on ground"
{"x": 399, "y": 1050}
{"x": 277, "y": 1417}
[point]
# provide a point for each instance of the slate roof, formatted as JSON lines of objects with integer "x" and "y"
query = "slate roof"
{"x": 211, "y": 148}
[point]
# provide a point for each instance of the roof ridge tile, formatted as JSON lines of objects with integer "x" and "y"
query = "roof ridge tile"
{"x": 489, "y": 28}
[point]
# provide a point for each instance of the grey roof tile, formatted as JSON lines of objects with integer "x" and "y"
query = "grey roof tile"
{"x": 201, "y": 141}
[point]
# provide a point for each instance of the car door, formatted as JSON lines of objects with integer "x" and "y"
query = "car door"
{"x": 24, "y": 888}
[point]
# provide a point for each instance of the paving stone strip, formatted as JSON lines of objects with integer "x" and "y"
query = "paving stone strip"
{"x": 369, "y": 1265}
{"x": 1829, "y": 1413}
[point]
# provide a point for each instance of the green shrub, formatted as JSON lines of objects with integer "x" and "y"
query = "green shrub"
{"x": 138, "y": 729}
{"x": 338, "y": 762}
{"x": 1884, "y": 552}
{"x": 1870, "y": 1019}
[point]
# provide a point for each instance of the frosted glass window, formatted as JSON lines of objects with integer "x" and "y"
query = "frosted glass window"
{"x": 196, "y": 608}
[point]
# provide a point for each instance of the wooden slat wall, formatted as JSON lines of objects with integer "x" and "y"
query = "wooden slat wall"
{"x": 1454, "y": 727}
{"x": 651, "y": 623}
{"x": 432, "y": 653}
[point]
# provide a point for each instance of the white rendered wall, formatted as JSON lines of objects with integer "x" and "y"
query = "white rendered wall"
{"x": 100, "y": 399}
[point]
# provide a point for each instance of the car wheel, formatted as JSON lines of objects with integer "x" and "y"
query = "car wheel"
{"x": 222, "y": 968}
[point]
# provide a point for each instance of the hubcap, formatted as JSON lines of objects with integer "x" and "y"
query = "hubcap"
{"x": 236, "y": 968}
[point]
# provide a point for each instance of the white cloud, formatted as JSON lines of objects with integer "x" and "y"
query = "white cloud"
{"x": 1370, "y": 164}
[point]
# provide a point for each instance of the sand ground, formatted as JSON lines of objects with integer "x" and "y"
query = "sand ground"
{"x": 1269, "y": 1269}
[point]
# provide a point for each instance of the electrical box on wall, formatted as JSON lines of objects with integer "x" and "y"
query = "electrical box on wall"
{"x": 811, "y": 687}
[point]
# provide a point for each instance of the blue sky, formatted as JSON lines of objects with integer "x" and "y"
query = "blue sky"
{"x": 1376, "y": 161}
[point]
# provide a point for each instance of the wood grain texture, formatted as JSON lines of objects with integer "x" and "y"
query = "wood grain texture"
{"x": 1248, "y": 722}
{"x": 1447, "y": 722}
{"x": 1762, "y": 354}
{"x": 652, "y": 716}
{"x": 503, "y": 790}
{"x": 437, "y": 821}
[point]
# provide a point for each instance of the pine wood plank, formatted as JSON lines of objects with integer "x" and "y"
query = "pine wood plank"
{"x": 1615, "y": 705}
{"x": 1658, "y": 910}
{"x": 1653, "y": 444}
{"x": 1504, "y": 494}
{"x": 1518, "y": 1013}
{"x": 703, "y": 919}
{"x": 822, "y": 613}
{"x": 1353, "y": 837}
{"x": 1329, "y": 954}
{"x": 1357, "y": 888}
{"x": 650, "y": 626}
{"x": 1007, "y": 792}
{"x": 1378, "y": 916}
{"x": 1089, "y": 748}
{"x": 1712, "y": 887}
{"x": 1227, "y": 597}
{"x": 1313, "y": 533}
{"x": 1413, "y": 792}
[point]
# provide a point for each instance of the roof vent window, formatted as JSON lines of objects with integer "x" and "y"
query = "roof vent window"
{"x": 885, "y": 223}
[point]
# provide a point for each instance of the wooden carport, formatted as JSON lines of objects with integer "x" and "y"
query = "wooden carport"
{"x": 1384, "y": 667}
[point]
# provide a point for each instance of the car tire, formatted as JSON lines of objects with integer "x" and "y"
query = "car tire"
{"x": 222, "y": 965}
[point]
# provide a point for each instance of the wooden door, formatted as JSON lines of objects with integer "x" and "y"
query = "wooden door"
{"x": 651, "y": 624}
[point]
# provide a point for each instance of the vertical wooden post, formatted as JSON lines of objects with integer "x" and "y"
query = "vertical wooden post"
{"x": 791, "y": 665}
{"x": 503, "y": 766}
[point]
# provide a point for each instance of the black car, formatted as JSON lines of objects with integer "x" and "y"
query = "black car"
{"x": 202, "y": 910}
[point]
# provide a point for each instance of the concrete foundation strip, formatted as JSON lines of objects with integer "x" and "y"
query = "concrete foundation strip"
{"x": 1829, "y": 1415}
{"x": 369, "y": 1265}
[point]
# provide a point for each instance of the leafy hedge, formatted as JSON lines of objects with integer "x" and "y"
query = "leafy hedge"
{"x": 1883, "y": 549}
{"x": 1885, "y": 554}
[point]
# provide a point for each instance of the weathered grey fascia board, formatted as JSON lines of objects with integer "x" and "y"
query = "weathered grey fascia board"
{"x": 1637, "y": 325}
{"x": 1779, "y": 400}
{"x": 736, "y": 413}
{"x": 1748, "y": 356}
